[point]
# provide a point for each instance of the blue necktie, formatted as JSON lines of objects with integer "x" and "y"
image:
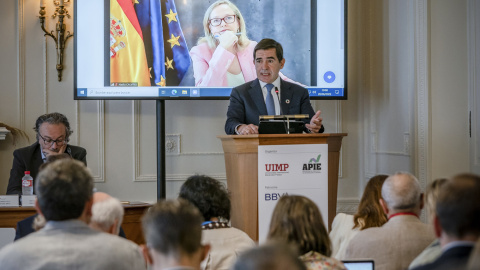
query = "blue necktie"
{"x": 269, "y": 100}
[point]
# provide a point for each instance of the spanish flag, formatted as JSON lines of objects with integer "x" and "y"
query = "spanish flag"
{"x": 128, "y": 62}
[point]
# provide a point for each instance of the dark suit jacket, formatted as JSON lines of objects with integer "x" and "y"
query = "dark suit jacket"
{"x": 452, "y": 258}
{"x": 29, "y": 159}
{"x": 25, "y": 227}
{"x": 247, "y": 103}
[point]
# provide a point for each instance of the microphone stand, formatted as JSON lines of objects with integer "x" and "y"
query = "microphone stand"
{"x": 287, "y": 126}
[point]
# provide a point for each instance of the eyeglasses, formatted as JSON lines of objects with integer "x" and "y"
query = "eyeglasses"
{"x": 227, "y": 19}
{"x": 50, "y": 142}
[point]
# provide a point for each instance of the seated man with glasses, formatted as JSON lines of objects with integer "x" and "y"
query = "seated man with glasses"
{"x": 53, "y": 132}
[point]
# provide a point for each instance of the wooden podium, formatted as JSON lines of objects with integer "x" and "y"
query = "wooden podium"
{"x": 241, "y": 163}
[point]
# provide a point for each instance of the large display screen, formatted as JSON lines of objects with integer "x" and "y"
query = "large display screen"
{"x": 170, "y": 49}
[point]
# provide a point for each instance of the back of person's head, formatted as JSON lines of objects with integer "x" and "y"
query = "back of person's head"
{"x": 52, "y": 158}
{"x": 402, "y": 193}
{"x": 268, "y": 43}
{"x": 370, "y": 212}
{"x": 63, "y": 188}
{"x": 107, "y": 213}
{"x": 298, "y": 221}
{"x": 272, "y": 256}
{"x": 209, "y": 195}
{"x": 431, "y": 195}
{"x": 458, "y": 206}
{"x": 173, "y": 228}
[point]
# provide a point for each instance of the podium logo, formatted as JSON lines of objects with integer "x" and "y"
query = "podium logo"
{"x": 274, "y": 196}
{"x": 276, "y": 167}
{"x": 313, "y": 165}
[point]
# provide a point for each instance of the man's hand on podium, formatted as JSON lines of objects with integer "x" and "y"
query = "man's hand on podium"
{"x": 247, "y": 129}
{"x": 316, "y": 123}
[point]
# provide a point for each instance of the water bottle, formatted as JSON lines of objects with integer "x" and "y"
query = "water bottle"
{"x": 27, "y": 184}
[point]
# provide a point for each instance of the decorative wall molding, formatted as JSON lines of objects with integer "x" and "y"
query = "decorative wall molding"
{"x": 183, "y": 177}
{"x": 21, "y": 63}
{"x": 422, "y": 148}
{"x": 473, "y": 34}
{"x": 3, "y": 133}
{"x": 139, "y": 177}
{"x": 406, "y": 146}
{"x": 172, "y": 144}
{"x": 179, "y": 177}
{"x": 100, "y": 178}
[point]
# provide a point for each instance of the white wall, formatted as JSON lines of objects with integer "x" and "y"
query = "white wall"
{"x": 386, "y": 129}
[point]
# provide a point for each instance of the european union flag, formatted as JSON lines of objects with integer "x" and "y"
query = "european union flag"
{"x": 165, "y": 44}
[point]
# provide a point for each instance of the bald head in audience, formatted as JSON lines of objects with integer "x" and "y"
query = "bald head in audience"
{"x": 401, "y": 193}
{"x": 272, "y": 256}
{"x": 107, "y": 213}
{"x": 394, "y": 245}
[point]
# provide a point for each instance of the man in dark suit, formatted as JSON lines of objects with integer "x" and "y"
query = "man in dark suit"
{"x": 457, "y": 221}
{"x": 268, "y": 95}
{"x": 53, "y": 132}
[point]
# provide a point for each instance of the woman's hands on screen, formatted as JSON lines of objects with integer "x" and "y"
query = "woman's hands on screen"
{"x": 227, "y": 40}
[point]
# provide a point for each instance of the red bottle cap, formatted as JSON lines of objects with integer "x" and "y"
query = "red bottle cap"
{"x": 27, "y": 172}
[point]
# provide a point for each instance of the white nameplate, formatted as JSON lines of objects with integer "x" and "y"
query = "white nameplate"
{"x": 28, "y": 200}
{"x": 9, "y": 201}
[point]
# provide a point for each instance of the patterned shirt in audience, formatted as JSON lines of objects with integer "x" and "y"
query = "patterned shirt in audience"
{"x": 316, "y": 261}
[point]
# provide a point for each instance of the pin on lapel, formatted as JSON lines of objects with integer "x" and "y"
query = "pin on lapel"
{"x": 287, "y": 101}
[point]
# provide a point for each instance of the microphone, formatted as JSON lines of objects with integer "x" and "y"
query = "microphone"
{"x": 287, "y": 129}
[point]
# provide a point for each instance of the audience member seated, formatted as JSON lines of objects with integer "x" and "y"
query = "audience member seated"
{"x": 404, "y": 236}
{"x": 64, "y": 197}
{"x": 36, "y": 222}
{"x": 107, "y": 213}
{"x": 369, "y": 214}
{"x": 297, "y": 221}
{"x": 272, "y": 256}
{"x": 173, "y": 234}
{"x": 52, "y": 133}
{"x": 433, "y": 251}
{"x": 457, "y": 222}
{"x": 474, "y": 261}
{"x": 212, "y": 199}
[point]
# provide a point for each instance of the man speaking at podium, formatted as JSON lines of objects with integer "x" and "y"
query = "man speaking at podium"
{"x": 268, "y": 95}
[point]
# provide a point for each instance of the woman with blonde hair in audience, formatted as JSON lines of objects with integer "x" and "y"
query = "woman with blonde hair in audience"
{"x": 369, "y": 214}
{"x": 297, "y": 221}
{"x": 212, "y": 199}
{"x": 434, "y": 250}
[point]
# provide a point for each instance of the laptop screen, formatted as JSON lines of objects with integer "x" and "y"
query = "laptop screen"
{"x": 359, "y": 265}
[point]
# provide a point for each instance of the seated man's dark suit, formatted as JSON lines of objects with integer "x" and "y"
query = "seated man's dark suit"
{"x": 247, "y": 104}
{"x": 452, "y": 258}
{"x": 29, "y": 159}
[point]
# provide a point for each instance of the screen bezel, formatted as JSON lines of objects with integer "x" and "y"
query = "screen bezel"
{"x": 313, "y": 64}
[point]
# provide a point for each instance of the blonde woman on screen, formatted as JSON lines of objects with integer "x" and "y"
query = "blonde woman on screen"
{"x": 224, "y": 56}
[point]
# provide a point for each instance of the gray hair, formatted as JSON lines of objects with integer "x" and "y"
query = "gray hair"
{"x": 63, "y": 188}
{"x": 53, "y": 118}
{"x": 401, "y": 191}
{"x": 106, "y": 212}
